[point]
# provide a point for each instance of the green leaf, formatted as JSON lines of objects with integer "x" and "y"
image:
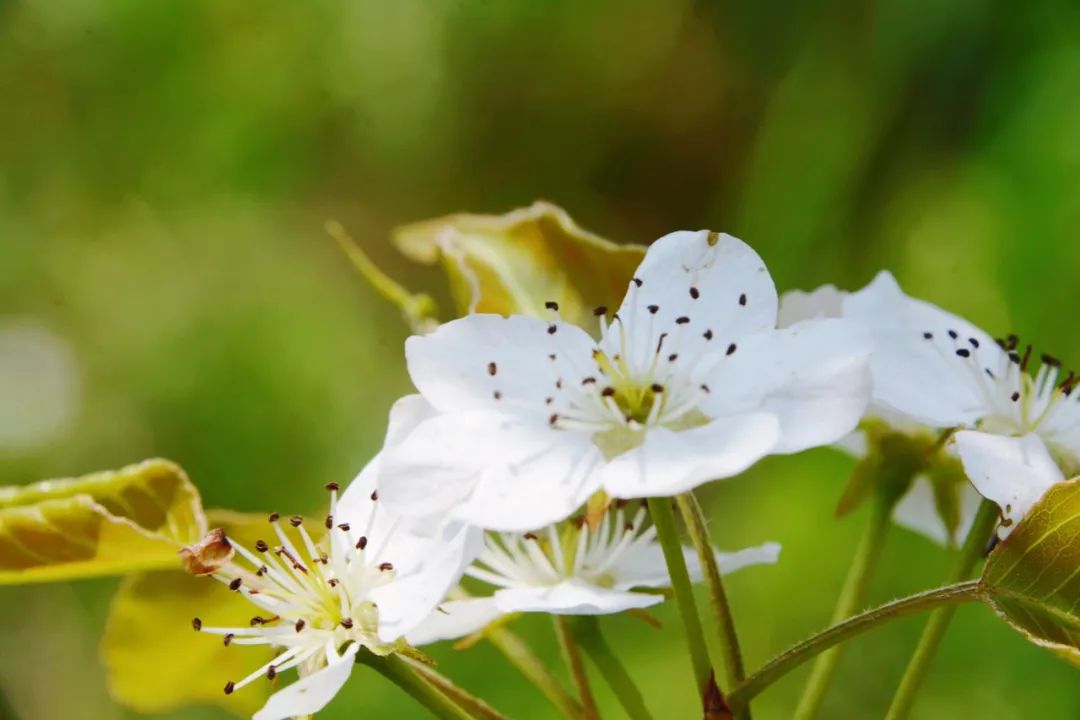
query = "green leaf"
{"x": 157, "y": 663}
{"x": 514, "y": 263}
{"x": 1032, "y": 579}
{"x": 102, "y": 524}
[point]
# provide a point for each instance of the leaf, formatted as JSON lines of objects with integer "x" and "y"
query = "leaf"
{"x": 157, "y": 663}
{"x": 514, "y": 263}
{"x": 1032, "y": 579}
{"x": 102, "y": 524}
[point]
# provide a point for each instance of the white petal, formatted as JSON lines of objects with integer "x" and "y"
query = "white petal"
{"x": 917, "y": 512}
{"x": 406, "y": 414}
{"x": 814, "y": 376}
{"x": 425, "y": 569}
{"x": 644, "y": 565}
{"x": 490, "y": 362}
{"x": 798, "y": 305}
{"x": 919, "y": 377}
{"x": 310, "y": 694}
{"x": 669, "y": 462}
{"x": 455, "y": 619}
{"x": 489, "y": 470}
{"x": 572, "y": 597}
{"x": 735, "y": 296}
{"x": 1012, "y": 472}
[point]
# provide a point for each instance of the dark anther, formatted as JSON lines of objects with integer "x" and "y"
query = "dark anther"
{"x": 742, "y": 299}
{"x": 990, "y": 374}
{"x": 1050, "y": 360}
{"x": 731, "y": 349}
{"x": 229, "y": 687}
{"x": 953, "y": 334}
{"x": 361, "y": 543}
{"x": 628, "y": 527}
{"x": 492, "y": 369}
{"x": 262, "y": 570}
{"x": 589, "y": 381}
{"x": 707, "y": 334}
{"x": 653, "y": 309}
{"x": 928, "y": 336}
{"x": 552, "y": 305}
{"x": 1015, "y": 357}
{"x": 497, "y": 395}
{"x": 228, "y": 639}
{"x": 705, "y": 388}
{"x": 551, "y": 357}
{"x": 1015, "y": 396}
{"x": 346, "y": 623}
{"x": 598, "y": 311}
{"x": 682, "y": 320}
{"x": 608, "y": 391}
{"x": 636, "y": 281}
{"x": 273, "y": 517}
{"x": 552, "y": 329}
{"x": 332, "y": 486}
{"x": 271, "y": 672}
{"x": 386, "y": 566}
{"x": 529, "y": 536}
{"x": 235, "y": 584}
{"x": 549, "y": 400}
{"x": 329, "y": 521}
{"x": 673, "y": 357}
{"x": 694, "y": 292}
{"x": 196, "y": 624}
{"x": 374, "y": 495}
{"x": 553, "y": 419}
{"x": 300, "y": 624}
{"x": 963, "y": 352}
{"x": 657, "y": 388}
{"x": 558, "y": 384}
{"x": 344, "y": 527}
{"x": 1011, "y": 341}
{"x": 261, "y": 546}
{"x": 974, "y": 343}
{"x": 296, "y": 521}
{"x": 1027, "y": 357}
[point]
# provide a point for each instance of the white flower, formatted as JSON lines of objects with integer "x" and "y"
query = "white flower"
{"x": 572, "y": 570}
{"x": 372, "y": 579}
{"x": 689, "y": 381}
{"x": 935, "y": 372}
{"x": 1012, "y": 472}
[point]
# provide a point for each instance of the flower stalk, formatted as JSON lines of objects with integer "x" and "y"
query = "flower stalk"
{"x": 572, "y": 655}
{"x": 979, "y": 535}
{"x": 397, "y": 671}
{"x": 796, "y": 655}
{"x": 468, "y": 702}
{"x": 664, "y": 519}
{"x": 535, "y": 671}
{"x": 586, "y": 630}
{"x": 698, "y": 530}
{"x": 851, "y": 599}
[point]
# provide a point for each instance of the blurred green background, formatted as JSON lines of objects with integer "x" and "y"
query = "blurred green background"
{"x": 166, "y": 287}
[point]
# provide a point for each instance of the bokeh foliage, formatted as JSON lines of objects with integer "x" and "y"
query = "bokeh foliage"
{"x": 166, "y": 170}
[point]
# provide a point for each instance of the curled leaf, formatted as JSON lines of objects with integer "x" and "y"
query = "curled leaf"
{"x": 1032, "y": 579}
{"x": 101, "y": 524}
{"x": 517, "y": 262}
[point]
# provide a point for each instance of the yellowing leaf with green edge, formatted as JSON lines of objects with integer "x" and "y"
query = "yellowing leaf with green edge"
{"x": 1032, "y": 579}
{"x": 101, "y": 524}
{"x": 514, "y": 263}
{"x": 157, "y": 663}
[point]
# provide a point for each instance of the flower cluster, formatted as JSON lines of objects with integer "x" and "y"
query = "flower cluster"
{"x": 523, "y": 461}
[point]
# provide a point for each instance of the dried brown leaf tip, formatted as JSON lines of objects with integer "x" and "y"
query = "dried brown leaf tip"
{"x": 208, "y": 555}
{"x": 716, "y": 707}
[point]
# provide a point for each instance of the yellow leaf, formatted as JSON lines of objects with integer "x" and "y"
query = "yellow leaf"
{"x": 106, "y": 523}
{"x": 514, "y": 263}
{"x": 157, "y": 663}
{"x": 1032, "y": 579}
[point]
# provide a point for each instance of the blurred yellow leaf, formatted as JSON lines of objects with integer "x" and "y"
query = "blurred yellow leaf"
{"x": 157, "y": 663}
{"x": 1032, "y": 579}
{"x": 514, "y": 263}
{"x": 101, "y": 524}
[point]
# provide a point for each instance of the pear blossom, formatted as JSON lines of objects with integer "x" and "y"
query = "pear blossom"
{"x": 690, "y": 380}
{"x": 935, "y": 372}
{"x": 372, "y": 579}
{"x": 572, "y": 569}
{"x": 1013, "y": 472}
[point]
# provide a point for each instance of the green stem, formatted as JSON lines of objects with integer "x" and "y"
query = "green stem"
{"x": 534, "y": 669}
{"x": 980, "y": 533}
{"x": 663, "y": 518}
{"x": 698, "y": 530}
{"x": 587, "y": 631}
{"x": 851, "y": 599}
{"x": 473, "y": 705}
{"x": 572, "y": 655}
{"x": 399, "y": 672}
{"x": 795, "y": 656}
